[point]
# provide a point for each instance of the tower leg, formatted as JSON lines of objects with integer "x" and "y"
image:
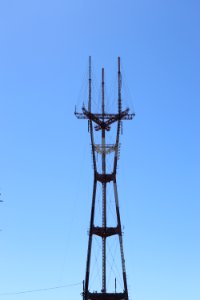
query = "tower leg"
{"x": 87, "y": 275}
{"x": 104, "y": 239}
{"x": 120, "y": 237}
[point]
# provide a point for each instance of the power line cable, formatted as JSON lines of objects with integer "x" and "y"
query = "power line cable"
{"x": 40, "y": 290}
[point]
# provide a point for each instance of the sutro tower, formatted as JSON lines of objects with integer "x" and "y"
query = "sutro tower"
{"x": 102, "y": 121}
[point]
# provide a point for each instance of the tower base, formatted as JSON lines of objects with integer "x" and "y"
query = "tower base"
{"x": 105, "y": 296}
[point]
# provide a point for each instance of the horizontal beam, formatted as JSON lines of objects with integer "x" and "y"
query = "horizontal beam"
{"x": 107, "y": 149}
{"x": 104, "y": 116}
{"x": 105, "y": 232}
{"x": 104, "y": 120}
{"x": 107, "y": 296}
{"x": 105, "y": 178}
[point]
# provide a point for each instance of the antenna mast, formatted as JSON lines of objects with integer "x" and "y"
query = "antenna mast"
{"x": 102, "y": 122}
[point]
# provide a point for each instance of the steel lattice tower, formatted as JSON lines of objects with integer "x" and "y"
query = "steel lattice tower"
{"x": 102, "y": 121}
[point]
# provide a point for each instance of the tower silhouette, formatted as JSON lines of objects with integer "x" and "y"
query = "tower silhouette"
{"x": 102, "y": 121}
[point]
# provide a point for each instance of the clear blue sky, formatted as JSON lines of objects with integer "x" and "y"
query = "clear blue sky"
{"x": 45, "y": 162}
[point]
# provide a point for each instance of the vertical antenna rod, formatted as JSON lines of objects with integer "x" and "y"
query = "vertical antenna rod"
{"x": 103, "y": 192}
{"x": 119, "y": 120}
{"x": 119, "y": 88}
{"x": 90, "y": 86}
